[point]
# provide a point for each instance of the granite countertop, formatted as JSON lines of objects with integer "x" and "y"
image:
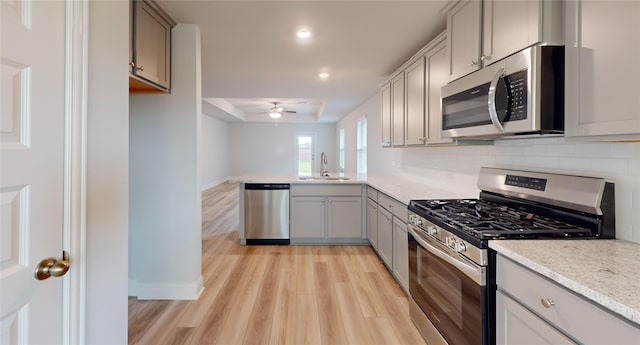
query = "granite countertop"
{"x": 603, "y": 271}
{"x": 398, "y": 188}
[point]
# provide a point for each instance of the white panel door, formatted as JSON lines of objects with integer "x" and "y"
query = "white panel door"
{"x": 32, "y": 152}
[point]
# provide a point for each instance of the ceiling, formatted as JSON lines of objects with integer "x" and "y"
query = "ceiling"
{"x": 252, "y": 57}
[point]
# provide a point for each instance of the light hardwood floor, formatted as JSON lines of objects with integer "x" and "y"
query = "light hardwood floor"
{"x": 277, "y": 294}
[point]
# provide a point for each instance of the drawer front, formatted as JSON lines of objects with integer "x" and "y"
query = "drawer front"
{"x": 326, "y": 190}
{"x": 573, "y": 314}
{"x": 394, "y": 206}
{"x": 372, "y": 194}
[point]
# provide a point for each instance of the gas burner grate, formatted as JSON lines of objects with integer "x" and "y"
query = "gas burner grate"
{"x": 488, "y": 220}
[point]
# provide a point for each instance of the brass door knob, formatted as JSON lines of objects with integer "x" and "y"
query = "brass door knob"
{"x": 52, "y": 267}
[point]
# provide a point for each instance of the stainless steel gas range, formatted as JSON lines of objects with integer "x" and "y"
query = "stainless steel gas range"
{"x": 451, "y": 268}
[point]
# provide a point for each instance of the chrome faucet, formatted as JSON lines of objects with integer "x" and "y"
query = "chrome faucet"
{"x": 323, "y": 161}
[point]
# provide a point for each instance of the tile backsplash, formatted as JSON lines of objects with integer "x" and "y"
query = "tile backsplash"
{"x": 456, "y": 168}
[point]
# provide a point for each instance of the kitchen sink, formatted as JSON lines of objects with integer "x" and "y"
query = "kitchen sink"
{"x": 325, "y": 178}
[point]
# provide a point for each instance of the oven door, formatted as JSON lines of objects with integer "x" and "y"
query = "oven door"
{"x": 450, "y": 291}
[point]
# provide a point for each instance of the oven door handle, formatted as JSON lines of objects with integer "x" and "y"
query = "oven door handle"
{"x": 491, "y": 102}
{"x": 474, "y": 272}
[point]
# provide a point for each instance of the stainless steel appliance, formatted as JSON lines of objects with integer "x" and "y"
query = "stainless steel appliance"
{"x": 266, "y": 213}
{"x": 451, "y": 269}
{"x": 522, "y": 94}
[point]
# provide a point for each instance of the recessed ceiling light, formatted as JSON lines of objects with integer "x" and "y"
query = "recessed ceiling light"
{"x": 303, "y": 34}
{"x": 323, "y": 75}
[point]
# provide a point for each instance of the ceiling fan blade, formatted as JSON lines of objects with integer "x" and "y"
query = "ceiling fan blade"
{"x": 289, "y": 111}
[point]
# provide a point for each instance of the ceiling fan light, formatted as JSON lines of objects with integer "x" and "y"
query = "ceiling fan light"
{"x": 303, "y": 34}
{"x": 279, "y": 109}
{"x": 275, "y": 115}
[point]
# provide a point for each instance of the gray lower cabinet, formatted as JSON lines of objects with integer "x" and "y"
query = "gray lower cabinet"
{"x": 344, "y": 217}
{"x": 372, "y": 223}
{"x": 533, "y": 309}
{"x": 517, "y": 325}
{"x": 385, "y": 236}
{"x": 392, "y": 241}
{"x": 308, "y": 218}
{"x": 401, "y": 253}
{"x": 327, "y": 214}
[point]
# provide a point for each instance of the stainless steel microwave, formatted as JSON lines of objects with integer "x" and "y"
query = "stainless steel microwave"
{"x": 522, "y": 94}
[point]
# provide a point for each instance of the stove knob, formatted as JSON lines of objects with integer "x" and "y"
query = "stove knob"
{"x": 432, "y": 230}
{"x": 461, "y": 247}
{"x": 450, "y": 242}
{"x": 418, "y": 221}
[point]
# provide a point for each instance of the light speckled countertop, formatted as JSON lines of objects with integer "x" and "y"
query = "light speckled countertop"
{"x": 397, "y": 188}
{"x": 606, "y": 272}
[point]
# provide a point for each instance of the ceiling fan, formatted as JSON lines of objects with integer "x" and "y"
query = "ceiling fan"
{"x": 276, "y": 111}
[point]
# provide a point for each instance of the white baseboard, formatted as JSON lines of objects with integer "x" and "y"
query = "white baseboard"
{"x": 214, "y": 183}
{"x": 164, "y": 291}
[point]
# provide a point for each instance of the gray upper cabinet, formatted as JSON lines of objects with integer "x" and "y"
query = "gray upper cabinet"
{"x": 482, "y": 32}
{"x": 397, "y": 110}
{"x": 602, "y": 70}
{"x": 463, "y": 37}
{"x": 510, "y": 26}
{"x": 435, "y": 77}
{"x": 414, "y": 89}
{"x": 150, "y": 51}
{"x": 410, "y": 101}
{"x": 385, "y": 114}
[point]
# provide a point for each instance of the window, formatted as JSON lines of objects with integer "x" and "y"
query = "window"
{"x": 362, "y": 146}
{"x": 341, "y": 148}
{"x": 304, "y": 159}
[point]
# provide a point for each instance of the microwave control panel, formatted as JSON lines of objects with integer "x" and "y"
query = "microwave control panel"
{"x": 518, "y": 84}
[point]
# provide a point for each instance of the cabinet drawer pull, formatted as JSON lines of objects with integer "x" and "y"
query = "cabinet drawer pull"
{"x": 547, "y": 303}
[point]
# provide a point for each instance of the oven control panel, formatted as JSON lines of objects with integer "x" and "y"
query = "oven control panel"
{"x": 448, "y": 239}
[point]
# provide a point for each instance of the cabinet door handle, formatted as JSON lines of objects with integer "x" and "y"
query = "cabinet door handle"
{"x": 141, "y": 68}
{"x": 132, "y": 64}
{"x": 485, "y": 57}
{"x": 547, "y": 303}
{"x": 474, "y": 63}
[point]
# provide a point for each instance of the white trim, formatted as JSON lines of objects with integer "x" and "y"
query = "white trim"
{"x": 75, "y": 163}
{"x": 214, "y": 183}
{"x": 162, "y": 291}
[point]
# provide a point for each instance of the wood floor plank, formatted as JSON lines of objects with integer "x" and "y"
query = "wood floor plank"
{"x": 288, "y": 295}
{"x": 216, "y": 279}
{"x": 164, "y": 324}
{"x": 283, "y": 325}
{"x": 222, "y": 307}
{"x": 180, "y": 336}
{"x": 355, "y": 325}
{"x": 331, "y": 323}
{"x": 237, "y": 324}
{"x": 263, "y": 311}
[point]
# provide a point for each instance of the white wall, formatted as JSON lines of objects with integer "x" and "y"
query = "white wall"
{"x": 350, "y": 125}
{"x": 267, "y": 148}
{"x": 164, "y": 190}
{"x": 214, "y": 152}
{"x": 456, "y": 168}
{"x": 107, "y": 173}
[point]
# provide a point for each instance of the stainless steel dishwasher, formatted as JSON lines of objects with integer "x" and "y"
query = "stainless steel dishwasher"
{"x": 266, "y": 213}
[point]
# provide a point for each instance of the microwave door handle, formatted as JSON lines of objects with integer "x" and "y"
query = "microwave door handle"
{"x": 493, "y": 113}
